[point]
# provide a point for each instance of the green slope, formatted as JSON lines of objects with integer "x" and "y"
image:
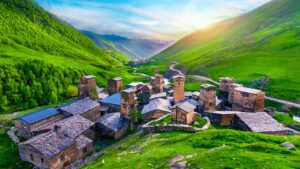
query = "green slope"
{"x": 211, "y": 149}
{"x": 264, "y": 42}
{"x": 41, "y": 57}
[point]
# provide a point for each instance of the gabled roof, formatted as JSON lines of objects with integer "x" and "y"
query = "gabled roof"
{"x": 117, "y": 78}
{"x": 261, "y": 122}
{"x": 79, "y": 106}
{"x": 113, "y": 121}
{"x": 145, "y": 87}
{"x": 178, "y": 76}
{"x": 187, "y": 94}
{"x": 113, "y": 99}
{"x": 157, "y": 104}
{"x": 39, "y": 115}
{"x": 186, "y": 106}
{"x": 158, "y": 95}
{"x": 135, "y": 84}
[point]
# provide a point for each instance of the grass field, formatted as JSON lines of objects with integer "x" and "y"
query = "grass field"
{"x": 214, "y": 148}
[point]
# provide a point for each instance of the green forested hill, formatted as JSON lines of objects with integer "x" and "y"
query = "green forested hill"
{"x": 264, "y": 42}
{"x": 32, "y": 40}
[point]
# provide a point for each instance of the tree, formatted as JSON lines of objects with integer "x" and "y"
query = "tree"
{"x": 72, "y": 91}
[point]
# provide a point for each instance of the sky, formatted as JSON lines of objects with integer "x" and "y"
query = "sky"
{"x": 150, "y": 19}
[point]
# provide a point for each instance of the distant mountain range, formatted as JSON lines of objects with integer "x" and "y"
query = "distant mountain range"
{"x": 134, "y": 48}
{"x": 262, "y": 43}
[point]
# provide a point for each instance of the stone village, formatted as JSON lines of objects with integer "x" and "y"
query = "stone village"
{"x": 57, "y": 137}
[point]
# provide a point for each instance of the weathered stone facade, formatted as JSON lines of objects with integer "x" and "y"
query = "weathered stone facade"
{"x": 144, "y": 94}
{"x": 87, "y": 87}
{"x": 127, "y": 103}
{"x": 157, "y": 83}
{"x": 115, "y": 85}
{"x": 207, "y": 98}
{"x": 156, "y": 109}
{"x": 222, "y": 118}
{"x": 180, "y": 116}
{"x": 178, "y": 89}
{"x": 248, "y": 100}
{"x": 225, "y": 82}
{"x": 231, "y": 91}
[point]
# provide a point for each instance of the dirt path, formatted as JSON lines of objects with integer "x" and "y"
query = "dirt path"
{"x": 202, "y": 78}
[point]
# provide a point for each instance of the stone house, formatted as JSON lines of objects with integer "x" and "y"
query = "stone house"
{"x": 87, "y": 87}
{"x": 144, "y": 94}
{"x": 156, "y": 109}
{"x": 223, "y": 118}
{"x": 178, "y": 89}
{"x": 86, "y": 108}
{"x": 231, "y": 91}
{"x": 183, "y": 112}
{"x": 207, "y": 98}
{"x": 62, "y": 145}
{"x": 157, "y": 83}
{"x": 248, "y": 100}
{"x": 195, "y": 95}
{"x": 111, "y": 104}
{"x": 112, "y": 125}
{"x": 261, "y": 122}
{"x": 159, "y": 95}
{"x": 27, "y": 123}
{"x": 115, "y": 85}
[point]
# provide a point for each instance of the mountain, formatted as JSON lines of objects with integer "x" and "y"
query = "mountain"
{"x": 41, "y": 56}
{"x": 262, "y": 44}
{"x": 134, "y": 48}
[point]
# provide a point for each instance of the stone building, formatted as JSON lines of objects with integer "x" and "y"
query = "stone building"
{"x": 155, "y": 109}
{"x": 144, "y": 94}
{"x": 231, "y": 91}
{"x": 112, "y": 125}
{"x": 87, "y": 87}
{"x": 162, "y": 95}
{"x": 115, "y": 85}
{"x": 64, "y": 143}
{"x": 225, "y": 82}
{"x": 28, "y": 123}
{"x": 86, "y": 108}
{"x": 178, "y": 89}
{"x": 223, "y": 118}
{"x": 183, "y": 113}
{"x": 207, "y": 98}
{"x": 261, "y": 122}
{"x": 157, "y": 83}
{"x": 127, "y": 103}
{"x": 111, "y": 104}
{"x": 248, "y": 100}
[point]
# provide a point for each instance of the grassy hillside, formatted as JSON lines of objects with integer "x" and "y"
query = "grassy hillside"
{"x": 134, "y": 48}
{"x": 214, "y": 148}
{"x": 264, "y": 42}
{"x": 41, "y": 57}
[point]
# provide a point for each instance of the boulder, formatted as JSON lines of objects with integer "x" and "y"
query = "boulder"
{"x": 288, "y": 145}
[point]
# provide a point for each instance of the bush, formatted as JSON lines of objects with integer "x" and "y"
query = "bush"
{"x": 72, "y": 91}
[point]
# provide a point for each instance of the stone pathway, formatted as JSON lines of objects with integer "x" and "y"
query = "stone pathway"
{"x": 11, "y": 133}
{"x": 81, "y": 162}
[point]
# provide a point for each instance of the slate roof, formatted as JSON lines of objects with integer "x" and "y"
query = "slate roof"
{"x": 145, "y": 87}
{"x": 186, "y": 106}
{"x": 79, "y": 107}
{"x": 113, "y": 121}
{"x": 218, "y": 101}
{"x": 178, "y": 76}
{"x": 89, "y": 76}
{"x": 158, "y": 95}
{"x": 82, "y": 141}
{"x": 188, "y": 94}
{"x": 102, "y": 96}
{"x": 247, "y": 90}
{"x": 135, "y": 84}
{"x": 39, "y": 115}
{"x": 196, "y": 93}
{"x": 157, "y": 104}
{"x": 113, "y": 99}
{"x": 260, "y": 122}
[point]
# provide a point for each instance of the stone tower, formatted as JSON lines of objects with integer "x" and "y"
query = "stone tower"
{"x": 178, "y": 89}
{"x": 157, "y": 83}
{"x": 127, "y": 103}
{"x": 87, "y": 87}
{"x": 207, "y": 99}
{"x": 225, "y": 83}
{"x": 115, "y": 85}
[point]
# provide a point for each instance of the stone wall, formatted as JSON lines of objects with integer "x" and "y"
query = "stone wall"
{"x": 248, "y": 102}
{"x": 231, "y": 92}
{"x": 127, "y": 104}
{"x": 147, "y": 129}
{"x": 207, "y": 98}
{"x": 114, "y": 86}
{"x": 93, "y": 114}
{"x": 157, "y": 83}
{"x": 87, "y": 87}
{"x": 181, "y": 117}
{"x": 178, "y": 89}
{"x": 221, "y": 119}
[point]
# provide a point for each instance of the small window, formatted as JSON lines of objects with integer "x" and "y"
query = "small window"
{"x": 62, "y": 158}
{"x": 31, "y": 157}
{"x": 42, "y": 160}
{"x": 210, "y": 104}
{"x": 84, "y": 150}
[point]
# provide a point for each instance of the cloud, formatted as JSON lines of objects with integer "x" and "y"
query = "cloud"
{"x": 162, "y": 19}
